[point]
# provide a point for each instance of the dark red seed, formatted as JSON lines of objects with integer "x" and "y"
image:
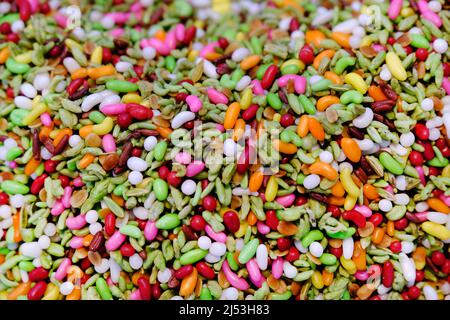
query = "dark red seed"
{"x": 294, "y": 25}
{"x": 38, "y": 274}
{"x": 50, "y": 165}
{"x": 156, "y": 291}
{"x": 4, "y": 198}
{"x": 136, "y": 152}
{"x": 388, "y": 274}
{"x": 106, "y": 55}
{"x": 446, "y": 67}
{"x": 13, "y": 37}
{"x": 181, "y": 97}
{"x": 204, "y": 183}
{"x": 244, "y": 160}
{"x": 205, "y": 270}
{"x": 110, "y": 224}
{"x": 413, "y": 292}
{"x": 337, "y": 252}
{"x": 44, "y": 8}
{"x": 395, "y": 246}
{"x": 189, "y": 125}
{"x": 198, "y": 223}
{"x": 408, "y": 49}
{"x": 428, "y": 152}
{"x": 405, "y": 295}
{"x": 416, "y": 158}
{"x": 37, "y": 291}
{"x": 5, "y": 28}
{"x": 283, "y": 243}
{"x": 139, "y": 112}
{"x": 422, "y": 131}
{"x": 38, "y": 184}
{"x": 287, "y": 120}
{"x": 391, "y": 40}
{"x": 376, "y": 219}
{"x": 299, "y": 201}
{"x": 250, "y": 112}
{"x": 163, "y": 172}
{"x": 446, "y": 267}
{"x": 144, "y": 288}
{"x": 223, "y": 42}
{"x": 272, "y": 219}
{"x": 85, "y": 263}
{"x": 335, "y": 211}
{"x": 269, "y": 76}
{"x": 65, "y": 181}
{"x": 74, "y": 85}
{"x": 354, "y": 216}
{"x": 438, "y": 258}
{"x": 124, "y": 120}
{"x": 10, "y": 93}
{"x": 433, "y": 171}
{"x": 231, "y": 221}
{"x": 173, "y": 179}
{"x": 24, "y": 11}
{"x": 189, "y": 34}
{"x": 127, "y": 250}
{"x": 306, "y": 54}
{"x": 183, "y": 272}
{"x": 421, "y": 54}
{"x": 401, "y": 224}
{"x": 292, "y": 255}
{"x": 209, "y": 203}
{"x": 420, "y": 275}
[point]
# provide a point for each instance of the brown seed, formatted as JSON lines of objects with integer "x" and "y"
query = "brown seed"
{"x": 160, "y": 122}
{"x": 366, "y": 230}
{"x": 273, "y": 283}
{"x": 404, "y": 40}
{"x": 354, "y": 132}
{"x": 223, "y": 282}
{"x": 359, "y": 172}
{"x": 368, "y": 51}
{"x": 94, "y": 257}
{"x": 78, "y": 198}
{"x": 287, "y": 228}
{"x": 365, "y": 292}
{"x": 93, "y": 140}
{"x": 97, "y": 241}
{"x": 109, "y": 161}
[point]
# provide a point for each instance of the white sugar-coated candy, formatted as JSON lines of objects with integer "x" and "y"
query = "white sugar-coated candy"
{"x": 355, "y": 41}
{"x": 137, "y": 164}
{"x": 408, "y": 267}
{"x": 363, "y": 120}
{"x": 314, "y": 79}
{"x": 407, "y": 139}
{"x": 136, "y": 261}
{"x": 430, "y": 293}
{"x": 434, "y": 134}
{"x": 262, "y": 257}
{"x": 284, "y": 23}
{"x": 50, "y": 229}
{"x": 103, "y": 266}
{"x": 210, "y": 70}
{"x": 28, "y": 90}
{"x": 23, "y": 102}
{"x": 240, "y": 54}
{"x": 407, "y": 247}
{"x": 398, "y": 149}
{"x": 188, "y": 187}
{"x": 30, "y": 249}
{"x": 440, "y": 45}
{"x": 311, "y": 181}
{"x": 229, "y": 148}
{"x": 45, "y": 154}
{"x": 382, "y": 289}
{"x": 359, "y": 31}
{"x": 150, "y": 143}
{"x": 60, "y": 87}
{"x": 385, "y": 74}
{"x": 181, "y": 118}
{"x": 66, "y": 288}
{"x": 427, "y": 104}
{"x": 210, "y": 258}
{"x": 243, "y": 83}
{"x": 91, "y": 216}
{"x": 41, "y": 81}
{"x": 9, "y": 143}
{"x": 3, "y": 152}
{"x": 123, "y": 66}
{"x": 6, "y": 223}
{"x": 94, "y": 228}
{"x": 401, "y": 199}
{"x": 400, "y": 183}
{"x": 17, "y": 26}
{"x": 385, "y": 205}
{"x": 297, "y": 34}
{"x": 107, "y": 22}
{"x": 141, "y": 213}
{"x": 326, "y": 156}
{"x": 218, "y": 249}
{"x": 239, "y": 244}
{"x": 289, "y": 270}
{"x": 112, "y": 99}
{"x": 348, "y": 246}
{"x": 5, "y": 211}
{"x": 346, "y": 26}
{"x": 230, "y": 293}
{"x": 17, "y": 200}
{"x": 115, "y": 269}
{"x": 437, "y": 217}
{"x": 148, "y": 53}
{"x": 365, "y": 144}
{"x": 90, "y": 101}
{"x": 434, "y": 122}
{"x": 74, "y": 140}
{"x": 71, "y": 64}
{"x": 44, "y": 242}
{"x": 434, "y": 6}
{"x": 322, "y": 18}
{"x": 4, "y": 7}
{"x": 316, "y": 249}
{"x": 204, "y": 242}
{"x": 135, "y": 177}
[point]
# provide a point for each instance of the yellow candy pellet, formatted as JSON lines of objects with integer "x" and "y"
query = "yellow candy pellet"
{"x": 97, "y": 55}
{"x": 25, "y": 57}
{"x": 104, "y": 127}
{"x": 35, "y": 112}
{"x": 294, "y": 62}
{"x": 348, "y": 265}
{"x": 271, "y": 189}
{"x": 246, "y": 99}
{"x": 436, "y": 230}
{"x": 317, "y": 280}
{"x": 72, "y": 44}
{"x": 406, "y": 12}
{"x": 395, "y": 66}
{"x": 356, "y": 81}
{"x": 276, "y": 117}
{"x": 193, "y": 55}
{"x": 131, "y": 98}
{"x": 242, "y": 229}
{"x": 347, "y": 182}
{"x": 350, "y": 202}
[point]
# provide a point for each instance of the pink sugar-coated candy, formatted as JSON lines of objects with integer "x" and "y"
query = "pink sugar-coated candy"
{"x": 254, "y": 273}
{"x": 136, "y": 7}
{"x": 389, "y": 189}
{"x": 216, "y": 236}
{"x": 76, "y": 223}
{"x": 61, "y": 272}
{"x": 260, "y": 282}
{"x": 378, "y": 47}
{"x": 419, "y": 170}
{"x": 299, "y": 82}
{"x": 117, "y": 32}
{"x": 233, "y": 278}
{"x": 283, "y": 80}
{"x": 150, "y": 230}
{"x": 109, "y": 281}
{"x": 194, "y": 103}
{"x": 180, "y": 31}
{"x": 171, "y": 40}
{"x": 262, "y": 196}
{"x": 65, "y": 200}
{"x": 374, "y": 270}
{"x": 194, "y": 168}
{"x": 76, "y": 242}
{"x": 262, "y": 228}
{"x": 394, "y": 8}
{"x": 220, "y": 127}
{"x": 34, "y": 4}
{"x": 145, "y": 43}
{"x": 136, "y": 295}
{"x": 277, "y": 268}
{"x": 113, "y": 109}
{"x": 183, "y": 157}
{"x": 421, "y": 216}
{"x": 364, "y": 210}
{"x": 286, "y": 201}
{"x": 361, "y": 275}
{"x": 57, "y": 208}
{"x": 115, "y": 241}
{"x": 109, "y": 143}
{"x": 78, "y": 182}
{"x": 216, "y": 96}
{"x": 257, "y": 88}
{"x": 119, "y": 17}
{"x": 433, "y": 18}
{"x": 423, "y": 6}
{"x": 46, "y": 119}
{"x": 12, "y": 164}
{"x": 446, "y": 85}
{"x": 209, "y": 48}
{"x": 445, "y": 199}
{"x": 160, "y": 46}
{"x": 61, "y": 20}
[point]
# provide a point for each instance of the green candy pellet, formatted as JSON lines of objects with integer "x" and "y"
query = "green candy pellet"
{"x": 274, "y": 101}
{"x": 390, "y": 163}
{"x": 321, "y": 85}
{"x": 103, "y": 289}
{"x": 248, "y": 251}
{"x": 14, "y": 187}
{"x": 307, "y": 104}
{"x": 205, "y": 294}
{"x": 161, "y": 189}
{"x": 17, "y": 116}
{"x": 17, "y": 67}
{"x": 131, "y": 231}
{"x": 168, "y": 221}
{"x": 419, "y": 41}
{"x": 171, "y": 63}
{"x": 96, "y": 116}
{"x": 290, "y": 69}
{"x": 193, "y": 256}
{"x": 160, "y": 150}
{"x": 121, "y": 86}
{"x": 13, "y": 153}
